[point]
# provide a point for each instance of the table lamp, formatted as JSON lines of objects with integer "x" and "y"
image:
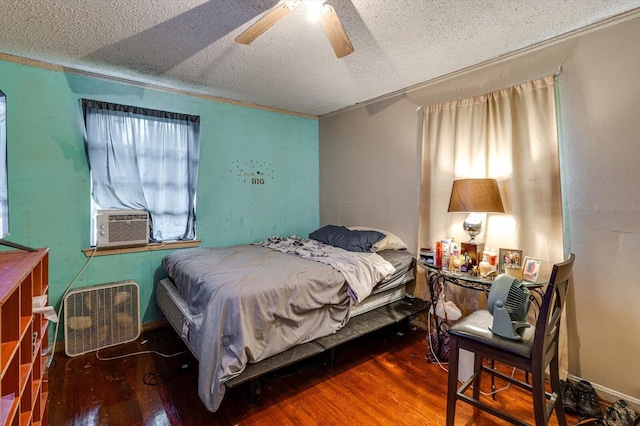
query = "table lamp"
{"x": 475, "y": 196}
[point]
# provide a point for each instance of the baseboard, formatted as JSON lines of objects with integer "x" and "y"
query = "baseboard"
{"x": 59, "y": 347}
{"x": 416, "y": 322}
{"x": 146, "y": 326}
{"x": 609, "y": 396}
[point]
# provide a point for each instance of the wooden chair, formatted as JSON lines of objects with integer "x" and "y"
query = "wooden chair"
{"x": 537, "y": 350}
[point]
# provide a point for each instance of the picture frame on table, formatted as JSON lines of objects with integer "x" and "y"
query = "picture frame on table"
{"x": 531, "y": 269}
{"x": 511, "y": 257}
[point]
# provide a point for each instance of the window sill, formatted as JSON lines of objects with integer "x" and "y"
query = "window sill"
{"x": 108, "y": 251}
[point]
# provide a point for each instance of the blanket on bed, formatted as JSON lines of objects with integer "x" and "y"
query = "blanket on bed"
{"x": 362, "y": 271}
{"x": 251, "y": 302}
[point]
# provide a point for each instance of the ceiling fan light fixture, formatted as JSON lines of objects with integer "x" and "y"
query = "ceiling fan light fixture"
{"x": 328, "y": 19}
{"x": 315, "y": 10}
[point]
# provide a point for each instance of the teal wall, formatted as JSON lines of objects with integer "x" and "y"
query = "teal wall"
{"x": 49, "y": 184}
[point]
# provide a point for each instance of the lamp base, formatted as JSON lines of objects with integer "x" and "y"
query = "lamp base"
{"x": 472, "y": 225}
{"x": 474, "y": 250}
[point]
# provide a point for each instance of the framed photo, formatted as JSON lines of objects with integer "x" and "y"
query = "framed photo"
{"x": 510, "y": 257}
{"x": 531, "y": 269}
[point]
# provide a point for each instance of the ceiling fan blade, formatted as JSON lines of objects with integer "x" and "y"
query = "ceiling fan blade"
{"x": 335, "y": 32}
{"x": 268, "y": 21}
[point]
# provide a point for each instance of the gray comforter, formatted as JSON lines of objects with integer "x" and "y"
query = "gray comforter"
{"x": 250, "y": 302}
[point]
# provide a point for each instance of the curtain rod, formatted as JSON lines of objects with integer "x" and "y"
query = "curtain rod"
{"x": 558, "y": 73}
{"x": 555, "y": 77}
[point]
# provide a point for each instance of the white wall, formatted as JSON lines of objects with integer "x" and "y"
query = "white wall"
{"x": 600, "y": 102}
{"x": 369, "y": 169}
{"x": 370, "y": 174}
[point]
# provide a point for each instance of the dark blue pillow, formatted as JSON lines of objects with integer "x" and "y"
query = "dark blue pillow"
{"x": 327, "y": 233}
{"x": 340, "y": 236}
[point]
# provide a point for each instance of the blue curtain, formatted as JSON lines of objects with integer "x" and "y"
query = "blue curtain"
{"x": 145, "y": 159}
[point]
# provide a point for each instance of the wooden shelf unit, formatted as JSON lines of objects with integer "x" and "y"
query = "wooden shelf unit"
{"x": 23, "y": 338}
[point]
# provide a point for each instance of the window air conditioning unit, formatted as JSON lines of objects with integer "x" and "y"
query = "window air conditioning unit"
{"x": 122, "y": 228}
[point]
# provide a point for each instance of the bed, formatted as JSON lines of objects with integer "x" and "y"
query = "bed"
{"x": 259, "y": 300}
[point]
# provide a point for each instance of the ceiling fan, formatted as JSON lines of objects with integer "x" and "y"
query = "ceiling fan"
{"x": 328, "y": 19}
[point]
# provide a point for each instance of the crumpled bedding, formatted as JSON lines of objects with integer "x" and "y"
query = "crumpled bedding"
{"x": 251, "y": 302}
{"x": 362, "y": 271}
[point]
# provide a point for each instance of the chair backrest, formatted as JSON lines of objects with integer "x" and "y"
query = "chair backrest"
{"x": 545, "y": 344}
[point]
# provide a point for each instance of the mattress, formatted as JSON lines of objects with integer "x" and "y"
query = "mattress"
{"x": 175, "y": 309}
{"x": 390, "y": 290}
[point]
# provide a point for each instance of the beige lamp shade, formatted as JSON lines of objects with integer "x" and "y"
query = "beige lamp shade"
{"x": 475, "y": 195}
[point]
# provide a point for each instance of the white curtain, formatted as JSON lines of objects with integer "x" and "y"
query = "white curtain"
{"x": 510, "y": 135}
{"x": 145, "y": 159}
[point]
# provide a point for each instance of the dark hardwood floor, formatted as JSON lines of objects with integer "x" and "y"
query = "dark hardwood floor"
{"x": 379, "y": 379}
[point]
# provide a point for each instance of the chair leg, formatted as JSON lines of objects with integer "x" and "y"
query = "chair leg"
{"x": 477, "y": 371}
{"x": 452, "y": 384}
{"x": 539, "y": 398}
{"x": 494, "y": 394}
{"x": 554, "y": 372}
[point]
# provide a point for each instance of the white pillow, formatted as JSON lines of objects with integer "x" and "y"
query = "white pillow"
{"x": 390, "y": 242}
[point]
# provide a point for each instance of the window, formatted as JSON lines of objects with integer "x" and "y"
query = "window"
{"x": 4, "y": 194}
{"x": 144, "y": 159}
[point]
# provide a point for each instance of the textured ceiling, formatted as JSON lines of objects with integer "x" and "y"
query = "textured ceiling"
{"x": 189, "y": 44}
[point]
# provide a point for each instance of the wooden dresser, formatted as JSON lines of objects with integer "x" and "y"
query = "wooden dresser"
{"x": 24, "y": 282}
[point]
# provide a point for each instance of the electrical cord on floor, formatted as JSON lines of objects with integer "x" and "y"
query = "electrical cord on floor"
{"x": 437, "y": 360}
{"x": 151, "y": 378}
{"x": 433, "y": 354}
{"x": 66, "y": 291}
{"x": 53, "y": 363}
{"x": 493, "y": 392}
{"x": 156, "y": 379}
{"x": 138, "y": 353}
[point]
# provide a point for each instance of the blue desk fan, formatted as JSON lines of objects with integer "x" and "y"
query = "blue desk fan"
{"x": 508, "y": 303}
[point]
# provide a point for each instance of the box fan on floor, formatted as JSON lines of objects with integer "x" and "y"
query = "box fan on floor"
{"x": 101, "y": 316}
